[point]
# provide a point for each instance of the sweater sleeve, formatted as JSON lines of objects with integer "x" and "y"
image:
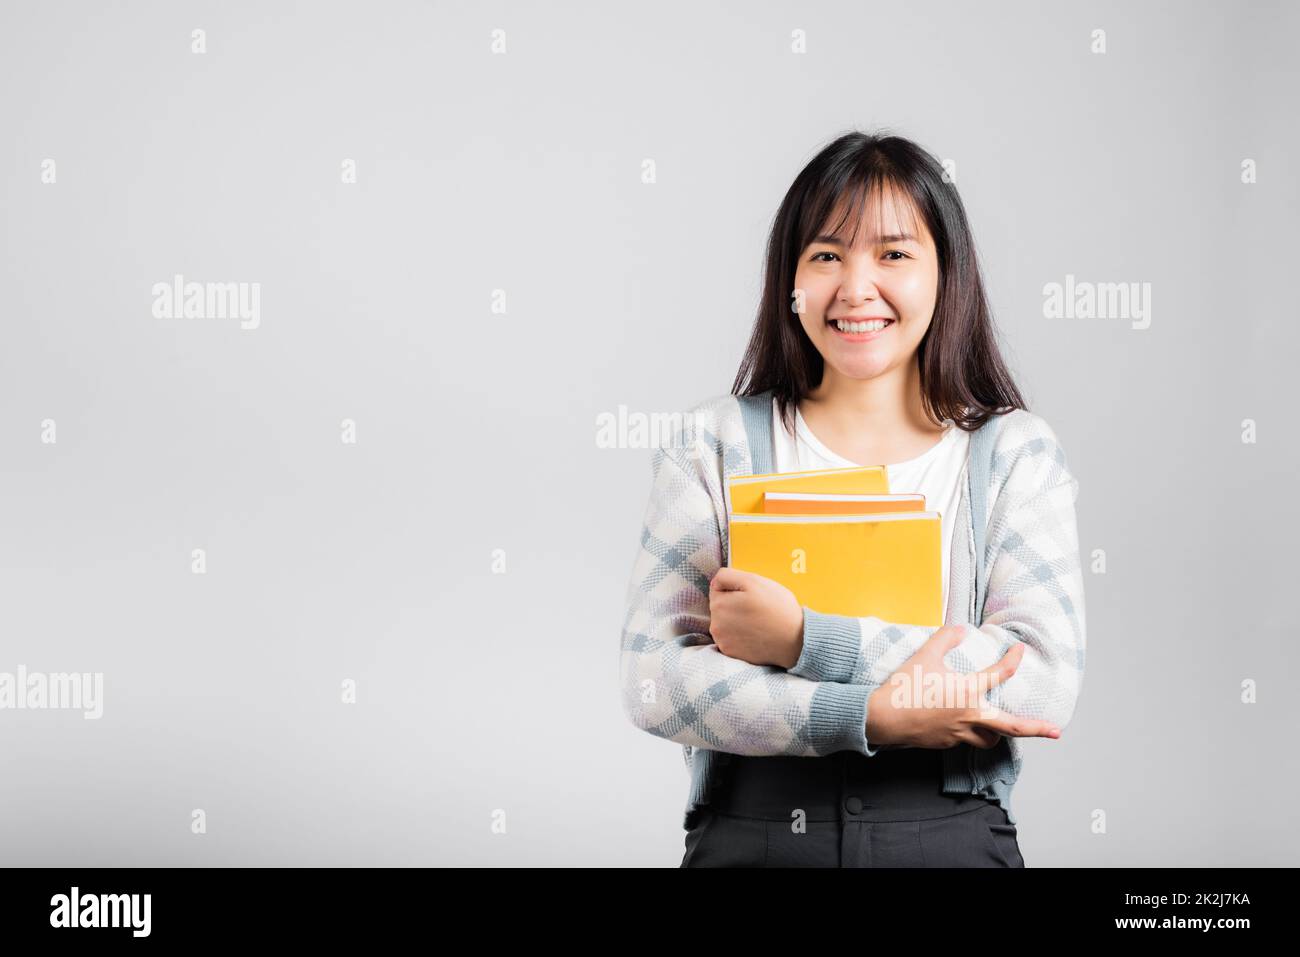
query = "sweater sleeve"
{"x": 1034, "y": 594}
{"x": 675, "y": 682}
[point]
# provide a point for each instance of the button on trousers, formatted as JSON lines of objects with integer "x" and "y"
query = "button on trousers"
{"x": 847, "y": 810}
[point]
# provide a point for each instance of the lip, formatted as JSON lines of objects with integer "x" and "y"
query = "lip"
{"x": 860, "y": 336}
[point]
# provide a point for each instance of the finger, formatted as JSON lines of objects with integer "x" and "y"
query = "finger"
{"x": 728, "y": 579}
{"x": 978, "y": 737}
{"x": 948, "y": 637}
{"x": 1015, "y": 727}
{"x": 1003, "y": 669}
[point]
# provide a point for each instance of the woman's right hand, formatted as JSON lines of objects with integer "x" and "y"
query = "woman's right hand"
{"x": 903, "y": 711}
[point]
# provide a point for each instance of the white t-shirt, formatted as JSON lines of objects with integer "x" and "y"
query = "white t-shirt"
{"x": 937, "y": 473}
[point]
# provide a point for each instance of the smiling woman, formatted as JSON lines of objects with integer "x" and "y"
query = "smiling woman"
{"x": 873, "y": 345}
{"x": 890, "y": 275}
{"x": 871, "y": 230}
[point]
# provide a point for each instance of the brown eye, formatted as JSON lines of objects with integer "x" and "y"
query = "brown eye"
{"x": 815, "y": 255}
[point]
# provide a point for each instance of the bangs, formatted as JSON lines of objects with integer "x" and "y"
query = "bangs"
{"x": 864, "y": 201}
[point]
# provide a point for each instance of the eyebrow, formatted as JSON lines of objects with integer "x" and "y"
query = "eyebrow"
{"x": 892, "y": 238}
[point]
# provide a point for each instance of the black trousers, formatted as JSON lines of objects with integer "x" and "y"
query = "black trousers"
{"x": 847, "y": 810}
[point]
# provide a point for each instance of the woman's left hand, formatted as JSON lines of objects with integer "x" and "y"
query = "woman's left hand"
{"x": 755, "y": 619}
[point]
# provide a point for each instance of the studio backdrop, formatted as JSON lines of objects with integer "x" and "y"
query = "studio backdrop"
{"x": 314, "y": 541}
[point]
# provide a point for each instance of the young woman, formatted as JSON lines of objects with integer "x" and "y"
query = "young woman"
{"x": 873, "y": 346}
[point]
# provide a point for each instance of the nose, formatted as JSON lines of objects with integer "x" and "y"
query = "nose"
{"x": 859, "y": 281}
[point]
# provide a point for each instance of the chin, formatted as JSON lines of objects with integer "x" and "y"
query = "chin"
{"x": 862, "y": 370}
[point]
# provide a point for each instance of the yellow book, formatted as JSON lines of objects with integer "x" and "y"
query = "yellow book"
{"x": 888, "y": 565}
{"x": 745, "y": 492}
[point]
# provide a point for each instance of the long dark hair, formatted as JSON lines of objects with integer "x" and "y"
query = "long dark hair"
{"x": 962, "y": 374}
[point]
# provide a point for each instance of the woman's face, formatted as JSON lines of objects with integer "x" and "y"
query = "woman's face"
{"x": 893, "y": 275}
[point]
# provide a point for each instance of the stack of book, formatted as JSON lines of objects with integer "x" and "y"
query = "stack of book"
{"x": 841, "y": 541}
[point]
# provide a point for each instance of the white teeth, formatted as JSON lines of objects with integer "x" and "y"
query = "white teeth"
{"x": 874, "y": 325}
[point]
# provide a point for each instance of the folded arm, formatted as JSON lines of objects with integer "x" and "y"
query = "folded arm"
{"x": 675, "y": 682}
{"x": 1034, "y": 594}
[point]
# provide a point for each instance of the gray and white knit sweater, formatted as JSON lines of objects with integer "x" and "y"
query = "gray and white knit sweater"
{"x": 1014, "y": 573}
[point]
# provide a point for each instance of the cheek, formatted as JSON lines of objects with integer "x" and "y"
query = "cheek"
{"x": 915, "y": 290}
{"x": 815, "y": 299}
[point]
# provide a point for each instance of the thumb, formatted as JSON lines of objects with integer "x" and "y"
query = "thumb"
{"x": 727, "y": 578}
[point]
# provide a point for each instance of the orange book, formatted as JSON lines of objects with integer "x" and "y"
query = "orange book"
{"x": 745, "y": 492}
{"x": 819, "y": 503}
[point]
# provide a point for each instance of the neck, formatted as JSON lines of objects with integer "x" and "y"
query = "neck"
{"x": 889, "y": 404}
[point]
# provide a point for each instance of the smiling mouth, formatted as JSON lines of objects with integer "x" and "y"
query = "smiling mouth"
{"x": 859, "y": 331}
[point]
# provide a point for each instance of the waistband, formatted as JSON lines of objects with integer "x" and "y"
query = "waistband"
{"x": 897, "y": 784}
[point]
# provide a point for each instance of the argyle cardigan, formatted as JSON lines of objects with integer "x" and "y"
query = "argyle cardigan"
{"x": 1014, "y": 572}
